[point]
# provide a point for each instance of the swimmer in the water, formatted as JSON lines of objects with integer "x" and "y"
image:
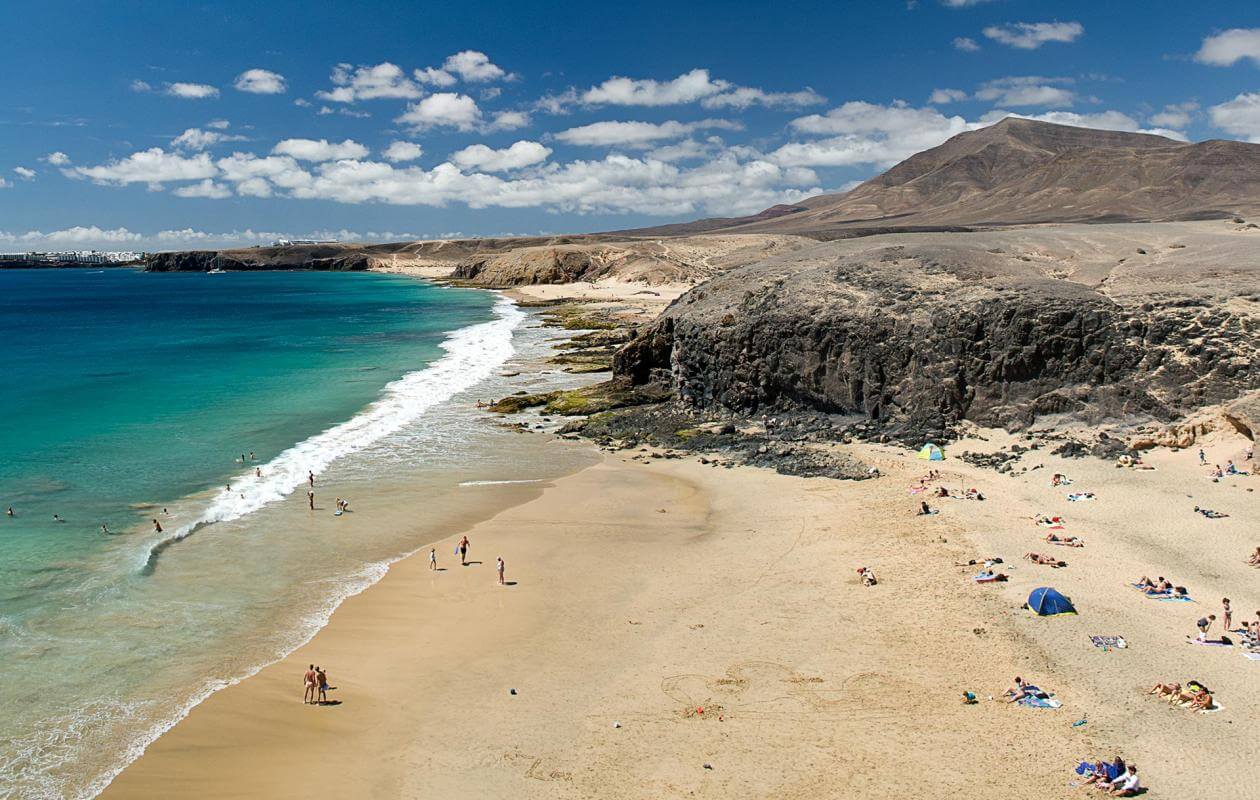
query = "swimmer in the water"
{"x": 157, "y": 526}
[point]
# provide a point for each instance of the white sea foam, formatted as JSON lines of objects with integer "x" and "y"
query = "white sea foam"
{"x": 472, "y": 355}
{"x": 499, "y": 483}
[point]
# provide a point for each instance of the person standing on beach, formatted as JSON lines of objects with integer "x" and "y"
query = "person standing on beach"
{"x": 433, "y": 558}
{"x": 463, "y": 551}
{"x": 308, "y": 680}
{"x": 310, "y": 499}
{"x": 1227, "y": 615}
{"x": 321, "y": 679}
{"x": 310, "y": 478}
{"x": 499, "y": 567}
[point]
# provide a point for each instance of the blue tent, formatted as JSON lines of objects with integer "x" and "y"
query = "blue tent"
{"x": 1047, "y": 602}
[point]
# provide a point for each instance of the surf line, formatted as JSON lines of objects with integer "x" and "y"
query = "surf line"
{"x": 472, "y": 354}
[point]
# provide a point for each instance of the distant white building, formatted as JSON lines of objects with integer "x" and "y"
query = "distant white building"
{"x": 288, "y": 242}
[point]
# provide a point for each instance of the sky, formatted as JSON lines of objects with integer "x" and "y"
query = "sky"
{"x": 158, "y": 126}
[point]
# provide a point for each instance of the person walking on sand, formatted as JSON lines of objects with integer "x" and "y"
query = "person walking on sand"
{"x": 498, "y": 565}
{"x": 157, "y": 526}
{"x": 308, "y": 680}
{"x": 463, "y": 551}
{"x": 1202, "y": 457}
{"x": 321, "y": 678}
{"x": 310, "y": 499}
{"x": 310, "y": 478}
{"x": 433, "y": 558}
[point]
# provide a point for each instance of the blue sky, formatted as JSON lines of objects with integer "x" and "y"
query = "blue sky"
{"x": 165, "y": 125}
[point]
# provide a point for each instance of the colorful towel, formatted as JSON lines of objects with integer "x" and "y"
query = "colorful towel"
{"x": 1170, "y": 598}
{"x": 1076, "y": 497}
{"x": 1109, "y": 642}
{"x": 1039, "y": 702}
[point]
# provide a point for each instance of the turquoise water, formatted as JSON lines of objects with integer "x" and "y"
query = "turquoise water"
{"x": 129, "y": 393}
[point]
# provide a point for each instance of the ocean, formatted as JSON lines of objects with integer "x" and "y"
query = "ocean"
{"x": 201, "y": 402}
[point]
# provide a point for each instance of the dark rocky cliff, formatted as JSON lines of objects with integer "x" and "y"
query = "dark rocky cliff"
{"x": 922, "y": 338}
{"x": 330, "y": 258}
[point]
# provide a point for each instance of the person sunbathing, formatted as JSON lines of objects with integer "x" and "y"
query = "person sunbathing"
{"x": 868, "y": 576}
{"x": 925, "y": 509}
{"x": 1210, "y": 514}
{"x": 1165, "y": 689}
{"x": 1162, "y": 586}
{"x": 988, "y": 562}
{"x": 1201, "y": 701}
{"x": 1125, "y": 785}
{"x": 1066, "y": 541}
{"x": 1255, "y": 558}
{"x": 1037, "y": 558}
{"x": 989, "y": 576}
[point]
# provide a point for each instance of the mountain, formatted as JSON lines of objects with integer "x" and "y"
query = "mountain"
{"x": 1023, "y": 171}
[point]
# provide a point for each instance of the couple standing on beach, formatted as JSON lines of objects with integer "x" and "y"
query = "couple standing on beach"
{"x": 316, "y": 682}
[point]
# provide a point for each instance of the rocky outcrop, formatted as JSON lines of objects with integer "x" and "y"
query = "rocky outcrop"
{"x": 330, "y": 258}
{"x": 920, "y": 338}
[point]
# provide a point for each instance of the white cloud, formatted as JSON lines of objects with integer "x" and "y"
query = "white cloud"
{"x": 384, "y": 80}
{"x": 152, "y": 166}
{"x": 637, "y": 134}
{"x": 485, "y": 159}
{"x": 867, "y": 133}
{"x": 302, "y": 102}
{"x": 260, "y": 81}
{"x": 25, "y": 173}
{"x": 962, "y": 3}
{"x": 473, "y": 66}
{"x": 509, "y": 121}
{"x": 943, "y": 96}
{"x": 557, "y": 103}
{"x": 402, "y": 151}
{"x": 191, "y": 91}
{"x": 219, "y": 124}
{"x": 1175, "y": 115}
{"x": 435, "y": 76}
{"x": 1029, "y": 90}
{"x": 743, "y": 97}
{"x": 965, "y": 44}
{"x": 57, "y": 159}
{"x": 1239, "y": 117}
{"x": 198, "y": 139}
{"x": 206, "y": 188}
{"x": 282, "y": 171}
{"x": 5, "y": 184}
{"x": 1230, "y": 47}
{"x": 1103, "y": 120}
{"x": 254, "y": 187}
{"x": 319, "y": 149}
{"x": 687, "y": 150}
{"x": 141, "y": 86}
{"x": 686, "y": 88}
{"x": 444, "y": 109}
{"x": 1031, "y": 35}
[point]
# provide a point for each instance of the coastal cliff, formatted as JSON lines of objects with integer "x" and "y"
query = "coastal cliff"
{"x": 919, "y": 337}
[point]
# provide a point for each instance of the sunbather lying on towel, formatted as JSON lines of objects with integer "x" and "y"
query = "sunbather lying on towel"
{"x": 988, "y": 576}
{"x": 1210, "y": 514}
{"x": 1165, "y": 689}
{"x": 1021, "y": 690}
{"x": 1058, "y": 479}
{"x": 1037, "y": 558}
{"x": 1148, "y": 586}
{"x": 988, "y": 562}
{"x": 1065, "y": 541}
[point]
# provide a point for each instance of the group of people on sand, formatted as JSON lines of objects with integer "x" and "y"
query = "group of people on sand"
{"x": 1115, "y": 778}
{"x": 316, "y": 682}
{"x": 1160, "y": 587}
{"x": 1194, "y": 696}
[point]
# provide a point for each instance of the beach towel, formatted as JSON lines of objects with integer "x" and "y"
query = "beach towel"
{"x": 1079, "y": 496}
{"x": 1051, "y": 522}
{"x": 1252, "y": 656}
{"x": 1039, "y": 702}
{"x": 1209, "y": 642}
{"x": 917, "y": 489}
{"x": 1168, "y": 598}
{"x": 986, "y": 577}
{"x": 1109, "y": 642}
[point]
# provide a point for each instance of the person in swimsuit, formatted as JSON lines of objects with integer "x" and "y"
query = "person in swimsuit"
{"x": 433, "y": 558}
{"x": 310, "y": 478}
{"x": 499, "y": 567}
{"x": 463, "y": 551}
{"x": 257, "y": 472}
{"x": 308, "y": 681}
{"x": 1227, "y": 615}
{"x": 157, "y": 526}
{"x": 321, "y": 679}
{"x": 310, "y": 499}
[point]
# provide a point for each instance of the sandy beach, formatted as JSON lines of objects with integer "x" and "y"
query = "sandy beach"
{"x": 675, "y": 629}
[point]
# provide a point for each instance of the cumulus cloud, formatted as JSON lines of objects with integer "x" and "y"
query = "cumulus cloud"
{"x": 473, "y": 66}
{"x": 509, "y": 121}
{"x": 1029, "y": 90}
{"x": 198, "y": 139}
{"x": 743, "y": 97}
{"x": 485, "y": 159}
{"x": 556, "y": 104}
{"x": 965, "y": 44}
{"x": 260, "y": 81}
{"x": 637, "y": 134}
{"x": 402, "y": 151}
{"x": 319, "y": 149}
{"x": 191, "y": 91}
{"x": 1031, "y": 35}
{"x": 868, "y": 133}
{"x": 686, "y": 88}
{"x": 384, "y": 80}
{"x": 206, "y": 188}
{"x": 1239, "y": 117}
{"x": 943, "y": 96}
{"x": 1103, "y": 120}
{"x": 25, "y": 173}
{"x": 442, "y": 110}
{"x": 152, "y": 166}
{"x": 435, "y": 76}
{"x": 5, "y": 184}
{"x": 218, "y": 124}
{"x": 1175, "y": 115}
{"x": 1230, "y": 47}
{"x": 141, "y": 86}
{"x": 57, "y": 159}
